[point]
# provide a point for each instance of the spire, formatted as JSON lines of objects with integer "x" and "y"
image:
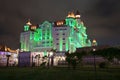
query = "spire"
{"x": 29, "y": 23}
{"x": 77, "y": 15}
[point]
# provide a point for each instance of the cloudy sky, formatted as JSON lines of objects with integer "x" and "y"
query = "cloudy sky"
{"x": 101, "y": 17}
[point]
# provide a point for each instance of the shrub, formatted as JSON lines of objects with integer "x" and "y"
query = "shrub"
{"x": 103, "y": 65}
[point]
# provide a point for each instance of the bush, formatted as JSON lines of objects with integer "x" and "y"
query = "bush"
{"x": 103, "y": 65}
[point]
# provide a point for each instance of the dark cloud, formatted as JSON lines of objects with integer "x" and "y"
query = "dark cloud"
{"x": 101, "y": 17}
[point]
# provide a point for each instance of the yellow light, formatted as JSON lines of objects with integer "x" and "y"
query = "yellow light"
{"x": 77, "y": 16}
{"x": 60, "y": 23}
{"x": 94, "y": 41}
{"x": 71, "y": 14}
{"x": 29, "y": 23}
{"x": 33, "y": 27}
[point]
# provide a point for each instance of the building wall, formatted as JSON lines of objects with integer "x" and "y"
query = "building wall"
{"x": 61, "y": 38}
{"x": 25, "y": 41}
{"x": 13, "y": 59}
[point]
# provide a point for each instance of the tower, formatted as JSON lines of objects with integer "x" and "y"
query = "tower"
{"x": 26, "y": 37}
{"x": 78, "y": 37}
{"x": 27, "y": 26}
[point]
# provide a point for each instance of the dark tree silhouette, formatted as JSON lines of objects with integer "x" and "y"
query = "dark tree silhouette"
{"x": 74, "y": 59}
{"x": 108, "y": 53}
{"x": 8, "y": 56}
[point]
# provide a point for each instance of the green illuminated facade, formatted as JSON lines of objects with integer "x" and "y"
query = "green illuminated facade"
{"x": 64, "y": 35}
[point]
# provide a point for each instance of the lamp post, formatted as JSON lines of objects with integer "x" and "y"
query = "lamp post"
{"x": 94, "y": 59}
{"x": 94, "y": 43}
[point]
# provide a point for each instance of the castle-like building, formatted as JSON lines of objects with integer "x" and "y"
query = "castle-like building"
{"x": 62, "y": 35}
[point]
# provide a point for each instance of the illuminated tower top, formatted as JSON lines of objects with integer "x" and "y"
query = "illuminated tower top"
{"x": 71, "y": 15}
{"x": 27, "y": 26}
{"x": 77, "y": 15}
{"x": 28, "y": 23}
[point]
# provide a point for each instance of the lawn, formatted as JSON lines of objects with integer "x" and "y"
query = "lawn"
{"x": 61, "y": 73}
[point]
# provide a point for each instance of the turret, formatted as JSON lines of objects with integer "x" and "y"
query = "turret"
{"x": 71, "y": 15}
{"x": 28, "y": 23}
{"x": 27, "y": 26}
{"x": 77, "y": 15}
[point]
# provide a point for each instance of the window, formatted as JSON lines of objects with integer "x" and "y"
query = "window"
{"x": 63, "y": 38}
{"x": 57, "y": 34}
{"x": 63, "y": 43}
{"x": 57, "y": 38}
{"x": 63, "y": 33}
{"x": 57, "y": 43}
{"x": 47, "y": 33}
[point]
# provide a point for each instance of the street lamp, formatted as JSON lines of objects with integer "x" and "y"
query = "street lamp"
{"x": 94, "y": 43}
{"x": 94, "y": 59}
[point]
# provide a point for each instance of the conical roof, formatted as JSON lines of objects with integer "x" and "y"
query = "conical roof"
{"x": 77, "y": 13}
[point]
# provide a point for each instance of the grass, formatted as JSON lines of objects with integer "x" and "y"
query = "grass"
{"x": 58, "y": 73}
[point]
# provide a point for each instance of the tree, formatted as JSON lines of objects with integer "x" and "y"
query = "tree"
{"x": 108, "y": 53}
{"x": 74, "y": 59}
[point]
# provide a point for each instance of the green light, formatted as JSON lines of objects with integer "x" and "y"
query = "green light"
{"x": 67, "y": 45}
{"x": 78, "y": 37}
{"x": 26, "y": 28}
{"x": 61, "y": 44}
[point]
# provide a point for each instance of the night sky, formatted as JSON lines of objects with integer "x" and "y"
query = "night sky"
{"x": 101, "y": 17}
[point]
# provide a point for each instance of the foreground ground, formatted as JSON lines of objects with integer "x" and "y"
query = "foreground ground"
{"x": 61, "y": 73}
